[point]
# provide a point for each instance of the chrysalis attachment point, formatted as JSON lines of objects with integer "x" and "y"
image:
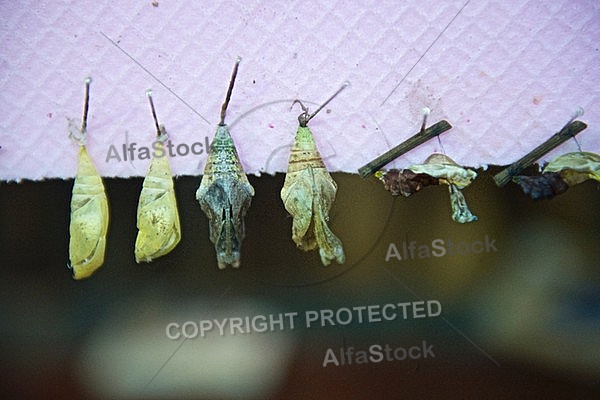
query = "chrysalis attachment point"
{"x": 88, "y": 81}
{"x": 409, "y": 144}
{"x": 578, "y": 113}
{"x": 567, "y": 132}
{"x": 426, "y": 111}
{"x": 305, "y": 116}
{"x": 333, "y": 96}
{"x": 229, "y": 90}
{"x": 161, "y": 133}
{"x": 77, "y": 133}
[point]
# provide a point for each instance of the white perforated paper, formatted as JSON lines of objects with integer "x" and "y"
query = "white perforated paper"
{"x": 505, "y": 74}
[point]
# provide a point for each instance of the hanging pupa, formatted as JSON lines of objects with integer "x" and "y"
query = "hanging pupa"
{"x": 89, "y": 206}
{"x": 309, "y": 191}
{"x": 560, "y": 174}
{"x": 158, "y": 224}
{"x": 225, "y": 193}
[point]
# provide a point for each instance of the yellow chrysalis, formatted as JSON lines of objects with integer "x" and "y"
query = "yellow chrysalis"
{"x": 89, "y": 209}
{"x": 157, "y": 215}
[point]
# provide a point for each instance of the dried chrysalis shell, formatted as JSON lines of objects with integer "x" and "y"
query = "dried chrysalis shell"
{"x": 308, "y": 193}
{"x": 437, "y": 169}
{"x": 405, "y": 182}
{"x": 444, "y": 168}
{"x": 460, "y": 210}
{"x": 225, "y": 196}
{"x": 575, "y": 168}
{"x": 157, "y": 214}
{"x": 89, "y": 219}
{"x": 545, "y": 186}
{"x": 561, "y": 173}
{"x": 456, "y": 177}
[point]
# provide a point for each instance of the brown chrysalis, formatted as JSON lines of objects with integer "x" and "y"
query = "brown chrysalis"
{"x": 225, "y": 193}
{"x": 309, "y": 191}
{"x": 560, "y": 174}
{"x": 405, "y": 182}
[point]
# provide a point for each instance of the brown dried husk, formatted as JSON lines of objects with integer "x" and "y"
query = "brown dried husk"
{"x": 437, "y": 169}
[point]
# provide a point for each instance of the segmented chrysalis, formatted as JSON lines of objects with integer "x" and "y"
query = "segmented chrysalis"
{"x": 309, "y": 191}
{"x": 437, "y": 169}
{"x": 89, "y": 206}
{"x": 225, "y": 193}
{"x": 560, "y": 174}
{"x": 158, "y": 225}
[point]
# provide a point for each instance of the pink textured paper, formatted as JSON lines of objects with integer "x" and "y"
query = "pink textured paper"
{"x": 505, "y": 74}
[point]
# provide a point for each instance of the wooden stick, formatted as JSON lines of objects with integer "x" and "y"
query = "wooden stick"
{"x": 566, "y": 133}
{"x": 409, "y": 144}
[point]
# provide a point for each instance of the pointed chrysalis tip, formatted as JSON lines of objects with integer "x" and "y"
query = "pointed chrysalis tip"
{"x": 149, "y": 92}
